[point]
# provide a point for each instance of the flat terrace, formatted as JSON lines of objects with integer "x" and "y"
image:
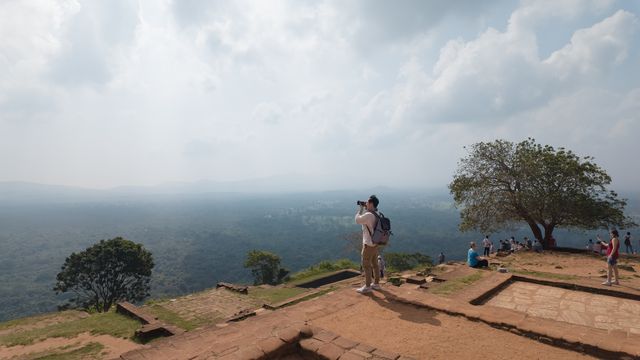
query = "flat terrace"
{"x": 523, "y": 314}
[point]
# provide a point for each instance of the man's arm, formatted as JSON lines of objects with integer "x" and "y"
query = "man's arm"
{"x": 363, "y": 218}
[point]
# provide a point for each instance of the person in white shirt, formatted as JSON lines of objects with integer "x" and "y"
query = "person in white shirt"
{"x": 487, "y": 245}
{"x": 367, "y": 219}
{"x": 381, "y": 265}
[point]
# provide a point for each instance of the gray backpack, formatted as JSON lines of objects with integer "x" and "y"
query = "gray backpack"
{"x": 381, "y": 230}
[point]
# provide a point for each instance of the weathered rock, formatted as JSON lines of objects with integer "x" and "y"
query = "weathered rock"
{"x": 330, "y": 351}
{"x": 416, "y": 280}
{"x": 345, "y": 343}
{"x": 233, "y": 287}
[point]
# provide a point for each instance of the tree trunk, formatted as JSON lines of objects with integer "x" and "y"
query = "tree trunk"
{"x": 536, "y": 231}
{"x": 548, "y": 230}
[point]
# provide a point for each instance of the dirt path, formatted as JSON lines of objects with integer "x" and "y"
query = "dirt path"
{"x": 39, "y": 322}
{"x": 113, "y": 346}
{"x": 571, "y": 264}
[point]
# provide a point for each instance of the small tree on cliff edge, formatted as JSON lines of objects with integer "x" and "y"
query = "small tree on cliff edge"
{"x": 265, "y": 267}
{"x": 105, "y": 273}
{"x": 501, "y": 183}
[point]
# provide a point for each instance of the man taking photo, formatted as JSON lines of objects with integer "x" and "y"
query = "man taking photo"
{"x": 365, "y": 217}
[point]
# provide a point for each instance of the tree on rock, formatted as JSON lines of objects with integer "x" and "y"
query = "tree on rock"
{"x": 105, "y": 273}
{"x": 265, "y": 267}
{"x": 500, "y": 183}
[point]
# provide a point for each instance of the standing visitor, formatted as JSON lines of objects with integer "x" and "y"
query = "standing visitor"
{"x": 381, "y": 265}
{"x": 487, "y": 245}
{"x": 441, "y": 258}
{"x": 367, "y": 219}
{"x": 537, "y": 246}
{"x": 612, "y": 258}
{"x": 627, "y": 243}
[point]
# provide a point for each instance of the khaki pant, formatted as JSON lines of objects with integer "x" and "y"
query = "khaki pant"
{"x": 370, "y": 264}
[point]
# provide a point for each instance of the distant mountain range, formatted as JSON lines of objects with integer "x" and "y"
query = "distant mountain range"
{"x": 26, "y": 192}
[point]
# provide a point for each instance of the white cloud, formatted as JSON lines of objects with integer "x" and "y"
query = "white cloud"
{"x": 597, "y": 49}
{"x": 499, "y": 74}
{"x": 103, "y": 94}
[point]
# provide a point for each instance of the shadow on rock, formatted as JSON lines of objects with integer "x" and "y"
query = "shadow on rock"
{"x": 406, "y": 312}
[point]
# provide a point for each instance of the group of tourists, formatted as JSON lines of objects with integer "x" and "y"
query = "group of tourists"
{"x": 611, "y": 248}
{"x": 599, "y": 248}
{"x": 373, "y": 263}
{"x": 511, "y": 245}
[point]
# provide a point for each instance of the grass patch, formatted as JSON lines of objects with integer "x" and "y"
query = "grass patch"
{"x": 320, "y": 269}
{"x": 89, "y": 351}
{"x": 544, "y": 275}
{"x": 455, "y": 285}
{"x": 276, "y": 294}
{"x": 34, "y": 320}
{"x": 109, "y": 323}
{"x": 170, "y": 317}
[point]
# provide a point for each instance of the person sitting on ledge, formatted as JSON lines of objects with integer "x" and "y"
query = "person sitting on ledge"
{"x": 473, "y": 259}
{"x": 537, "y": 246}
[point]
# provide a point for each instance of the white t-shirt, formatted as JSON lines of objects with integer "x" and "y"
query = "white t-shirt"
{"x": 486, "y": 242}
{"x": 366, "y": 220}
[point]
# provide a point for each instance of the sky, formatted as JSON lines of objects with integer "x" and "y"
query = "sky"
{"x": 341, "y": 93}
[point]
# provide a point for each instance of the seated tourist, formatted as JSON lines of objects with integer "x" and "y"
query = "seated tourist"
{"x": 473, "y": 260}
{"x": 506, "y": 246}
{"x": 537, "y": 246}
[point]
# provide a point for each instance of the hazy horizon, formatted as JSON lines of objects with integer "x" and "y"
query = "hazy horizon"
{"x": 332, "y": 94}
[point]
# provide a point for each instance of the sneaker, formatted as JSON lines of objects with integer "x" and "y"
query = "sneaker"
{"x": 364, "y": 290}
{"x": 616, "y": 283}
{"x": 376, "y": 287}
{"x": 608, "y": 283}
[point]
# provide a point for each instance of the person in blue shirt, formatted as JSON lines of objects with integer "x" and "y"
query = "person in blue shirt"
{"x": 473, "y": 259}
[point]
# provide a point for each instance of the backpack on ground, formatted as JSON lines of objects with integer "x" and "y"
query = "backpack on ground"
{"x": 381, "y": 229}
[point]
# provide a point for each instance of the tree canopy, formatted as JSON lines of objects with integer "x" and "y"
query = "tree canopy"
{"x": 105, "y": 273}
{"x": 265, "y": 267}
{"x": 500, "y": 183}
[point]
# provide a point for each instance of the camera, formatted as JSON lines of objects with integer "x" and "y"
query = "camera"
{"x": 361, "y": 203}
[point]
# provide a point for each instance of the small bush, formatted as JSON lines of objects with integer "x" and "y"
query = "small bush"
{"x": 404, "y": 261}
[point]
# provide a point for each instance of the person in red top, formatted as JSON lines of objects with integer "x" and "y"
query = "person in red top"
{"x": 612, "y": 257}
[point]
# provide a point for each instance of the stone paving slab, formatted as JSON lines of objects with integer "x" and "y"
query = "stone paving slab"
{"x": 576, "y": 307}
{"x": 272, "y": 333}
{"x": 592, "y": 340}
{"x": 213, "y": 305}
